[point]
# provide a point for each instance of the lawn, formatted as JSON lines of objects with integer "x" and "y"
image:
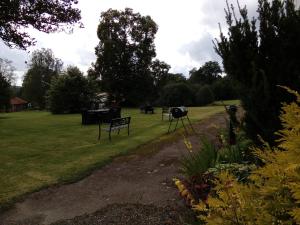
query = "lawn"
{"x": 38, "y": 149}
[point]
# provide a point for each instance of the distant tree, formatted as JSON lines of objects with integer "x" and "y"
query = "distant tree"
{"x": 124, "y": 54}
{"x": 7, "y": 77}
{"x": 260, "y": 55}
{"x": 70, "y": 92}
{"x": 177, "y": 94}
{"x": 43, "y": 66}
{"x": 206, "y": 74}
{"x": 225, "y": 89}
{"x": 204, "y": 95}
{"x": 160, "y": 76}
{"x": 46, "y": 16}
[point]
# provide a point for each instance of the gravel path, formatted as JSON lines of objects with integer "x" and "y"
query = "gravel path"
{"x": 135, "y": 189}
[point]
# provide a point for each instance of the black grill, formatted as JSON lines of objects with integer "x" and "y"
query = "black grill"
{"x": 178, "y": 112}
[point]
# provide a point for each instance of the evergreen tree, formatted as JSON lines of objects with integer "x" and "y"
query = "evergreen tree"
{"x": 260, "y": 54}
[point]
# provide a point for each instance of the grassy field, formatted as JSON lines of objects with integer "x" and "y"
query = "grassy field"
{"x": 38, "y": 149}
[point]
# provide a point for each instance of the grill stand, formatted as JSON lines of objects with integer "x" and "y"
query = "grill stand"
{"x": 185, "y": 128}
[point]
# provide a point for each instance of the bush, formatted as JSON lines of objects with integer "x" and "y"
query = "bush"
{"x": 69, "y": 93}
{"x": 224, "y": 89}
{"x": 204, "y": 96}
{"x": 273, "y": 194}
{"x": 177, "y": 94}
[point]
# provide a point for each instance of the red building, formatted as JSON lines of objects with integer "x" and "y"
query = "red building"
{"x": 18, "y": 104}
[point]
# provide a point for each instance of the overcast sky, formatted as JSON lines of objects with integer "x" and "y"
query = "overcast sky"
{"x": 184, "y": 38}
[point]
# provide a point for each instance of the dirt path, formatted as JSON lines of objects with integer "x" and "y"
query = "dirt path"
{"x": 129, "y": 183}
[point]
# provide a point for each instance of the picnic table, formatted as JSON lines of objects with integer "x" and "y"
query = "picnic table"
{"x": 104, "y": 115}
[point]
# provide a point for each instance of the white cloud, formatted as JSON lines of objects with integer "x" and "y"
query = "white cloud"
{"x": 183, "y": 40}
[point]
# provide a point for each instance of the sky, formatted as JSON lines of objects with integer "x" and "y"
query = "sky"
{"x": 184, "y": 38}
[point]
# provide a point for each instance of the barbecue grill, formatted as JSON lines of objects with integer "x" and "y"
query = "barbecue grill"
{"x": 179, "y": 113}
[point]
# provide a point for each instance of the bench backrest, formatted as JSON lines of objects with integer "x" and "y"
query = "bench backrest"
{"x": 120, "y": 122}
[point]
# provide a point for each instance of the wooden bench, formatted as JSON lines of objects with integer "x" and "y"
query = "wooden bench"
{"x": 116, "y": 125}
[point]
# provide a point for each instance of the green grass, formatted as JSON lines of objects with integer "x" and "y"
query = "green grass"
{"x": 38, "y": 149}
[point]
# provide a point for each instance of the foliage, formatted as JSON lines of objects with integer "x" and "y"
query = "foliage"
{"x": 197, "y": 163}
{"x": 46, "y": 16}
{"x": 43, "y": 66}
{"x": 70, "y": 92}
{"x": 160, "y": 76}
{"x": 6, "y": 79}
{"x": 260, "y": 54}
{"x": 225, "y": 89}
{"x": 51, "y": 149}
{"x": 177, "y": 94}
{"x": 206, "y": 74}
{"x": 273, "y": 195}
{"x": 125, "y": 53}
{"x": 204, "y": 95}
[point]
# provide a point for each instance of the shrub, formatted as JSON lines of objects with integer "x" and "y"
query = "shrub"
{"x": 177, "y": 94}
{"x": 197, "y": 163}
{"x": 204, "y": 96}
{"x": 273, "y": 195}
{"x": 69, "y": 93}
{"x": 224, "y": 89}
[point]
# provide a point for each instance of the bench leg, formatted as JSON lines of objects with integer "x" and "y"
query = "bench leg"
{"x": 118, "y": 131}
{"x": 99, "y": 132}
{"x": 110, "y": 135}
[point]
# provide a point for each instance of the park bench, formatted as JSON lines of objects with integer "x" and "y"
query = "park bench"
{"x": 115, "y": 125}
{"x": 147, "y": 109}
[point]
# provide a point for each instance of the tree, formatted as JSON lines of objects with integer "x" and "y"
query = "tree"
{"x": 43, "y": 66}
{"x": 70, "y": 92}
{"x": 7, "y": 77}
{"x": 46, "y": 16}
{"x": 206, "y": 74}
{"x": 260, "y": 54}
{"x": 160, "y": 76}
{"x": 204, "y": 95}
{"x": 177, "y": 94}
{"x": 124, "y": 54}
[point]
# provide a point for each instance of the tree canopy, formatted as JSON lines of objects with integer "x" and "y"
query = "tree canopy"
{"x": 206, "y": 74}
{"x": 46, "y": 16}
{"x": 43, "y": 66}
{"x": 124, "y": 54}
{"x": 260, "y": 54}
{"x": 69, "y": 92}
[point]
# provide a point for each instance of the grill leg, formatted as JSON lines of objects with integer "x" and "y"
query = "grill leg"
{"x": 176, "y": 124}
{"x": 183, "y": 125}
{"x": 191, "y": 125}
{"x": 118, "y": 131}
{"x": 109, "y": 134}
{"x": 170, "y": 125}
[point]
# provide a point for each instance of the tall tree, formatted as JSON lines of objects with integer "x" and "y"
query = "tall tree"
{"x": 260, "y": 54}
{"x": 124, "y": 54}
{"x": 7, "y": 77}
{"x": 160, "y": 74}
{"x": 46, "y": 16}
{"x": 43, "y": 66}
{"x": 206, "y": 74}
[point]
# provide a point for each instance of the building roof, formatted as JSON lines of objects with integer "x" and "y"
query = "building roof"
{"x": 17, "y": 101}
